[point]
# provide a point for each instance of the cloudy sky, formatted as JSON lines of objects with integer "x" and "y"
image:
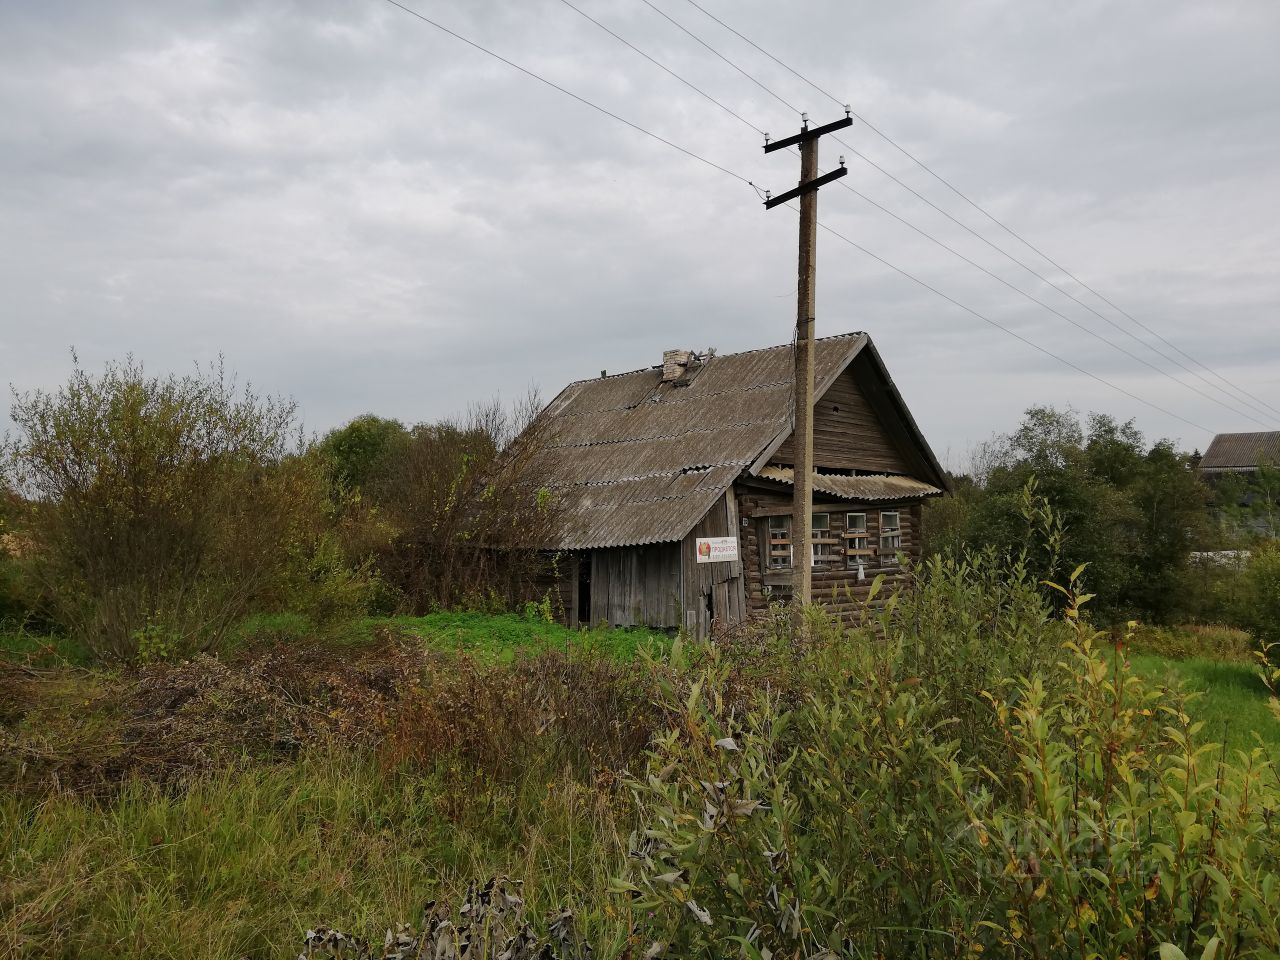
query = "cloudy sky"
{"x": 366, "y": 214}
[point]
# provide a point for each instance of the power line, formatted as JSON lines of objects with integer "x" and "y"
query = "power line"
{"x": 917, "y": 229}
{"x": 1013, "y": 333}
{"x": 569, "y": 93}
{"x": 833, "y": 232}
{"x": 1041, "y": 303}
{"x": 1066, "y": 293}
{"x": 663, "y": 67}
{"x": 1009, "y": 230}
{"x": 681, "y": 27}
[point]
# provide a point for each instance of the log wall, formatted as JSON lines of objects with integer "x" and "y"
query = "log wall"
{"x": 835, "y": 587}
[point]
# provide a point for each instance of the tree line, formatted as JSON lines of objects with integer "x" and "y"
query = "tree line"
{"x": 1162, "y": 545}
{"x": 149, "y": 515}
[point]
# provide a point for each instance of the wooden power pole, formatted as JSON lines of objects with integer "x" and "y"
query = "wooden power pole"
{"x": 802, "y": 417}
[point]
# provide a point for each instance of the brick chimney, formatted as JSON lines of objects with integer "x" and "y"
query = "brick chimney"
{"x": 674, "y": 363}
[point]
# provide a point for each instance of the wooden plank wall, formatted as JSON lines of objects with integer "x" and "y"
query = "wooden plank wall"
{"x": 720, "y": 586}
{"x": 637, "y": 586}
{"x": 847, "y": 434}
{"x": 834, "y": 587}
{"x": 558, "y": 581}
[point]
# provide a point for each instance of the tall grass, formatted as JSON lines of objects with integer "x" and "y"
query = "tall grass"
{"x": 967, "y": 774}
{"x": 244, "y": 862}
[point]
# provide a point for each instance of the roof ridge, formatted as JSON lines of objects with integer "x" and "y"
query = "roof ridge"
{"x": 719, "y": 356}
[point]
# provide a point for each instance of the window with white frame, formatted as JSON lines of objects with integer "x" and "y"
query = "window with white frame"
{"x": 823, "y": 544}
{"x": 857, "y": 547}
{"x": 890, "y": 535}
{"x": 779, "y": 547}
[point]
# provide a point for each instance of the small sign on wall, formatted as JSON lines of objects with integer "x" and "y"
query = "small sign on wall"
{"x": 717, "y": 549}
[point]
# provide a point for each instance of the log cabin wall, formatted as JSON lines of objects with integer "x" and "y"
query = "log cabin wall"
{"x": 836, "y": 585}
{"x": 847, "y": 434}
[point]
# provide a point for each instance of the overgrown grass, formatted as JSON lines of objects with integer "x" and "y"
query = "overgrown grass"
{"x": 947, "y": 782}
{"x": 243, "y": 862}
{"x": 494, "y": 638}
{"x": 41, "y": 648}
{"x": 1211, "y": 641}
{"x": 497, "y": 637}
{"x": 1231, "y": 698}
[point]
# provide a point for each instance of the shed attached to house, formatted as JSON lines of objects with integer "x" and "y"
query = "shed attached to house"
{"x": 649, "y": 466}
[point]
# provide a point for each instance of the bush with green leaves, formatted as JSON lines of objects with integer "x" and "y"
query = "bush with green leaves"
{"x": 1259, "y": 598}
{"x": 865, "y": 821}
{"x": 1133, "y": 510}
{"x": 166, "y": 507}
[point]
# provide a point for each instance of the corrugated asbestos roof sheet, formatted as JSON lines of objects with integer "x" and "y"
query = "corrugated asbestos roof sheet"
{"x": 636, "y": 460}
{"x": 870, "y": 487}
{"x": 1240, "y": 451}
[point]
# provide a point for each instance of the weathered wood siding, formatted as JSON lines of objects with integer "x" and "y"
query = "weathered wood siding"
{"x": 636, "y": 586}
{"x": 847, "y": 433}
{"x": 557, "y": 581}
{"x": 713, "y": 590}
{"x": 835, "y": 587}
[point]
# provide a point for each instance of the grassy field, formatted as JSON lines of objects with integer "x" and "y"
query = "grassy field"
{"x": 1232, "y": 700}
{"x": 498, "y": 637}
{"x": 488, "y": 637}
{"x": 245, "y": 860}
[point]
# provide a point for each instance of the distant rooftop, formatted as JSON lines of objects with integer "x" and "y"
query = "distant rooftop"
{"x": 1241, "y": 451}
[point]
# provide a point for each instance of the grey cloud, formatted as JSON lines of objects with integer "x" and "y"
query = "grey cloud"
{"x": 368, "y": 215}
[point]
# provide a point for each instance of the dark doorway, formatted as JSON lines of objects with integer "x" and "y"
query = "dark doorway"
{"x": 584, "y": 591}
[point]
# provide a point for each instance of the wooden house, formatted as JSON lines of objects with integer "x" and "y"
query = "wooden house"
{"x": 674, "y": 485}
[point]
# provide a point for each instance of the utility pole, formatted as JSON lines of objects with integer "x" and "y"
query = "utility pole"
{"x": 802, "y": 416}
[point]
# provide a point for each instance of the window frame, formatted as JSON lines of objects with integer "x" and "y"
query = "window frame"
{"x": 821, "y": 554}
{"x": 889, "y": 553}
{"x": 781, "y": 563}
{"x": 857, "y": 541}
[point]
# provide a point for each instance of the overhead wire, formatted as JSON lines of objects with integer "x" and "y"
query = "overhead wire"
{"x": 569, "y": 93}
{"x": 835, "y": 233}
{"x": 662, "y": 13}
{"x": 1243, "y": 396}
{"x": 999, "y": 279}
{"x": 1066, "y": 293}
{"x": 662, "y": 66}
{"x": 1013, "y": 333}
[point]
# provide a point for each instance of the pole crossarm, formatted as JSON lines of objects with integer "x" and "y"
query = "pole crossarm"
{"x": 808, "y": 134}
{"x": 804, "y": 188}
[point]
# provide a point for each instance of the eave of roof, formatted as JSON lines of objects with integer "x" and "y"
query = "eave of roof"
{"x": 865, "y": 487}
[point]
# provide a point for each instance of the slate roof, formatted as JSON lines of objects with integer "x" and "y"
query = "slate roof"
{"x": 1240, "y": 451}
{"x": 870, "y": 487}
{"x": 638, "y": 461}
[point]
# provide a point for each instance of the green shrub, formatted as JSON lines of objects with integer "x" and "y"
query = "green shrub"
{"x": 857, "y": 823}
{"x": 1260, "y": 593}
{"x": 174, "y": 506}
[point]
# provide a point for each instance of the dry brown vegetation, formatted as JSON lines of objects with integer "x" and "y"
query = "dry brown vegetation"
{"x": 69, "y": 729}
